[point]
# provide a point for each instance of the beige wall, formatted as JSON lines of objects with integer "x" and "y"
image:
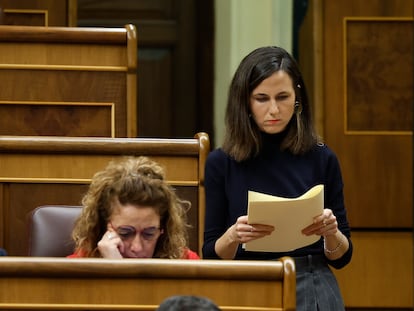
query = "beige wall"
{"x": 241, "y": 26}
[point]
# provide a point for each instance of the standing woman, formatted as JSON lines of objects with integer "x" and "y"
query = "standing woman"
{"x": 271, "y": 146}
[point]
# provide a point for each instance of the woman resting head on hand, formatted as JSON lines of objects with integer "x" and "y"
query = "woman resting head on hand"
{"x": 129, "y": 211}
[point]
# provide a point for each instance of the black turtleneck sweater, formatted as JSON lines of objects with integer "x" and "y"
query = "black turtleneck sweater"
{"x": 273, "y": 172}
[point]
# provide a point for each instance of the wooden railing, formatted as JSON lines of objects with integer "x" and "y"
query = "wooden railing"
{"x": 38, "y": 283}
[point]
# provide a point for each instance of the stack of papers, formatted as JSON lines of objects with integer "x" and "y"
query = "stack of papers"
{"x": 288, "y": 215}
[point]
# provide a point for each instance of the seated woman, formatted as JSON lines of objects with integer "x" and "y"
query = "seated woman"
{"x": 130, "y": 211}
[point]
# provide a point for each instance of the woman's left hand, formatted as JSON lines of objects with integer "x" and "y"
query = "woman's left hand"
{"x": 324, "y": 224}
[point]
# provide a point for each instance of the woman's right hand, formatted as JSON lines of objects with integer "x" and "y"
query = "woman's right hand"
{"x": 110, "y": 246}
{"x": 239, "y": 233}
{"x": 243, "y": 232}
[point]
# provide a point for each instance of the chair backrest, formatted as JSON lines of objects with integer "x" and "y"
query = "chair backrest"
{"x": 50, "y": 230}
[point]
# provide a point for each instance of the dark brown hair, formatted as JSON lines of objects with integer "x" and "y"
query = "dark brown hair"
{"x": 242, "y": 138}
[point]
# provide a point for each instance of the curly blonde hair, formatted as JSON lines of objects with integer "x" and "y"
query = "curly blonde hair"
{"x": 137, "y": 181}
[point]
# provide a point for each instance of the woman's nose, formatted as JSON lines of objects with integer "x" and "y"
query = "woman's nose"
{"x": 136, "y": 243}
{"x": 274, "y": 107}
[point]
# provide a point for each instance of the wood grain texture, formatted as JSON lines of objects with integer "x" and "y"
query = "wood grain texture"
{"x": 38, "y": 12}
{"x": 376, "y": 165}
{"x": 43, "y": 69}
{"x": 141, "y": 284}
{"x": 364, "y": 72}
{"x": 380, "y": 260}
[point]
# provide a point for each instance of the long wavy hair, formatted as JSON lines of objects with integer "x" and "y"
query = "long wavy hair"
{"x": 136, "y": 181}
{"x": 242, "y": 138}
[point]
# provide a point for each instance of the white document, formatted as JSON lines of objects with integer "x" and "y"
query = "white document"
{"x": 288, "y": 216}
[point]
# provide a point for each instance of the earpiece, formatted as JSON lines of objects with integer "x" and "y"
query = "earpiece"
{"x": 298, "y": 107}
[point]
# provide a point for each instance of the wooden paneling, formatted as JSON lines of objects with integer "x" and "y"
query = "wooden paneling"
{"x": 38, "y": 12}
{"x": 378, "y": 96}
{"x": 377, "y": 164}
{"x": 381, "y": 271}
{"x": 175, "y": 52}
{"x": 362, "y": 54}
{"x": 57, "y": 119}
{"x": 142, "y": 284}
{"x": 58, "y": 170}
{"x": 60, "y": 81}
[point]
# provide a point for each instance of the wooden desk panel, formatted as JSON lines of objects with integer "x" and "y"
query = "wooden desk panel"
{"x": 141, "y": 284}
{"x": 68, "y": 81}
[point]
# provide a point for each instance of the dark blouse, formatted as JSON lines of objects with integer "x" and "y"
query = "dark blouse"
{"x": 273, "y": 172}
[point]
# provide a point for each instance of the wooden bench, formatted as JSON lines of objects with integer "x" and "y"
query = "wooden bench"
{"x": 68, "y": 81}
{"x": 37, "y": 170}
{"x": 38, "y": 283}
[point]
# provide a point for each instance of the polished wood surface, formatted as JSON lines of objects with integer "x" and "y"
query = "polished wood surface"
{"x": 38, "y": 12}
{"x": 360, "y": 70}
{"x": 176, "y": 60}
{"x": 381, "y": 271}
{"x": 57, "y": 170}
{"x": 68, "y": 81}
{"x": 28, "y": 283}
{"x": 376, "y": 158}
